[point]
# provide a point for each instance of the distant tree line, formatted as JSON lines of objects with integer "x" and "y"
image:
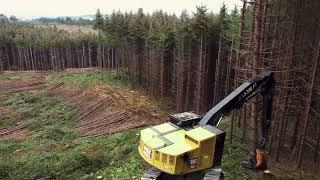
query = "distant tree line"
{"x": 64, "y": 20}
{"x": 27, "y": 47}
{"x": 194, "y": 60}
{"x": 170, "y": 57}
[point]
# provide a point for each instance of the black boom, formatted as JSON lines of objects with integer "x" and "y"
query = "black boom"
{"x": 262, "y": 84}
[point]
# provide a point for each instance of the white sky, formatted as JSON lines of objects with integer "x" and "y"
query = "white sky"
{"x": 53, "y": 8}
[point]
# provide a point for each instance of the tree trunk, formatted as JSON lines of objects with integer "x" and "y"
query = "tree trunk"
{"x": 306, "y": 116}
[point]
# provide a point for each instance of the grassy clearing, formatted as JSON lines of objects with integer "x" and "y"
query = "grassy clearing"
{"x": 86, "y": 79}
{"x": 73, "y": 28}
{"x": 38, "y": 110}
{"x": 56, "y": 151}
{"x": 14, "y": 75}
{"x": 80, "y": 159}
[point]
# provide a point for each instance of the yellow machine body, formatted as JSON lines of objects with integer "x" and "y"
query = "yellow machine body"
{"x": 177, "y": 151}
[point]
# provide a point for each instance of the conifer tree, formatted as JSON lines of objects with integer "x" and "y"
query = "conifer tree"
{"x": 99, "y": 22}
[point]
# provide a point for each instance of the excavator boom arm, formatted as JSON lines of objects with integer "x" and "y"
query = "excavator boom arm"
{"x": 262, "y": 84}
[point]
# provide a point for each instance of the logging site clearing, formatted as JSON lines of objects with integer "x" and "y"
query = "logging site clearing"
{"x": 82, "y": 124}
{"x": 160, "y": 90}
{"x": 59, "y": 127}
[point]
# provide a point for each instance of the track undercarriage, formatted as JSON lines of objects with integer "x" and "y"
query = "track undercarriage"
{"x": 210, "y": 174}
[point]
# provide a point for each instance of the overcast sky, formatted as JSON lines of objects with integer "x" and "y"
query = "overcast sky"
{"x": 53, "y": 8}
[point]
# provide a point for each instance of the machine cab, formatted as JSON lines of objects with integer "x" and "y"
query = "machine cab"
{"x": 178, "y": 147}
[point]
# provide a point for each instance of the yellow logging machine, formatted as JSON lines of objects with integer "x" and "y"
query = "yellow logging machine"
{"x": 190, "y": 146}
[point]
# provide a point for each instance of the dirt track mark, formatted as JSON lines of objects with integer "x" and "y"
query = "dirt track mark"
{"x": 111, "y": 123}
{"x": 103, "y": 109}
{"x": 91, "y": 106}
{"x": 101, "y": 112}
{"x": 5, "y": 111}
{"x": 95, "y": 107}
{"x": 14, "y": 132}
{"x": 12, "y": 85}
{"x": 55, "y": 86}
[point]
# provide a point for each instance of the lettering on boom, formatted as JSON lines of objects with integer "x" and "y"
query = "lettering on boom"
{"x": 249, "y": 90}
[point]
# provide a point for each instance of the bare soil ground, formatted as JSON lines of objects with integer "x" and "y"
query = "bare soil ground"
{"x": 11, "y": 85}
{"x": 75, "y": 28}
{"x": 103, "y": 109}
{"x": 80, "y": 70}
{"x": 14, "y": 132}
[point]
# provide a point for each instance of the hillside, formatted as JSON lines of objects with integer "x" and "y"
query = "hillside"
{"x": 84, "y": 124}
{"x": 66, "y": 81}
